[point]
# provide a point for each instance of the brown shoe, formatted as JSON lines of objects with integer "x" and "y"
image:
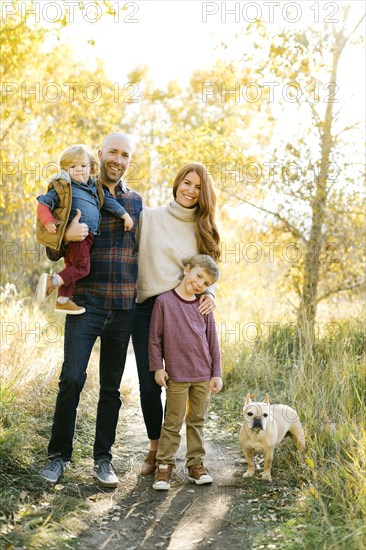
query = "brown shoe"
{"x": 163, "y": 477}
{"x": 45, "y": 287}
{"x": 199, "y": 475}
{"x": 148, "y": 467}
{"x": 69, "y": 307}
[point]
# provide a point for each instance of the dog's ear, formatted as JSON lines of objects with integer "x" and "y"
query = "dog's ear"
{"x": 266, "y": 399}
{"x": 248, "y": 398}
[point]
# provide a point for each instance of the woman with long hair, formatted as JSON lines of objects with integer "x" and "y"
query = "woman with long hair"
{"x": 168, "y": 237}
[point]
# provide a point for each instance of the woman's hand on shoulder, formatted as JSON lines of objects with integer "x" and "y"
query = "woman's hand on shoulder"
{"x": 207, "y": 304}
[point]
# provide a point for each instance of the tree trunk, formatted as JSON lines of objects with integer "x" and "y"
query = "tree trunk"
{"x": 308, "y": 302}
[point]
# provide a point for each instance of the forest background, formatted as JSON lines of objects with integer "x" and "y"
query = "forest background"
{"x": 276, "y": 112}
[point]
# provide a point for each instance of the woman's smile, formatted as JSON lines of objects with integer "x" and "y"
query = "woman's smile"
{"x": 188, "y": 190}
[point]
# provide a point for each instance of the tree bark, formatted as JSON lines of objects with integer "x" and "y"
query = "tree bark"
{"x": 308, "y": 302}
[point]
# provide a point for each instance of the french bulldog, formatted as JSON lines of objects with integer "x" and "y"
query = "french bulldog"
{"x": 263, "y": 428}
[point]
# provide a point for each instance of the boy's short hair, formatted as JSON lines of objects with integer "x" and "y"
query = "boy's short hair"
{"x": 72, "y": 154}
{"x": 205, "y": 262}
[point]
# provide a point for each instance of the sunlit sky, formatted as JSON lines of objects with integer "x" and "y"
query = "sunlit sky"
{"x": 174, "y": 37}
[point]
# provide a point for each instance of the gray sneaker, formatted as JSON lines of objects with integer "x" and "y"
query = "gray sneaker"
{"x": 104, "y": 472}
{"x": 55, "y": 469}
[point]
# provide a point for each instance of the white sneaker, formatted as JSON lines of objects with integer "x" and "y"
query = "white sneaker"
{"x": 163, "y": 477}
{"x": 198, "y": 474}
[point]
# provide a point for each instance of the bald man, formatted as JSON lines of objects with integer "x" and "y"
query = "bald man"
{"x": 108, "y": 296}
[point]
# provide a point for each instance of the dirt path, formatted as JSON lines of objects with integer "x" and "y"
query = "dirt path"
{"x": 231, "y": 513}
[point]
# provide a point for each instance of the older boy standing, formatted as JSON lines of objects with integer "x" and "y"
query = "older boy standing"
{"x": 187, "y": 343}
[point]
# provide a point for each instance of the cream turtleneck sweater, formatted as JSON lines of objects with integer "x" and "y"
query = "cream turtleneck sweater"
{"x": 167, "y": 240}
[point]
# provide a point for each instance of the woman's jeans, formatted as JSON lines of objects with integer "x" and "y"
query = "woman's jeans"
{"x": 150, "y": 391}
{"x": 81, "y": 331}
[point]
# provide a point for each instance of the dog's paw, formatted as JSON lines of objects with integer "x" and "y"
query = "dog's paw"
{"x": 266, "y": 476}
{"x": 249, "y": 473}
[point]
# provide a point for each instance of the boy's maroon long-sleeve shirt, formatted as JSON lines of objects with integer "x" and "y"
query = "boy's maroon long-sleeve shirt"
{"x": 184, "y": 338}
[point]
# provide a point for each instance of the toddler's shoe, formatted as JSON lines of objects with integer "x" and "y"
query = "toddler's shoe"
{"x": 163, "y": 477}
{"x": 69, "y": 307}
{"x": 45, "y": 288}
{"x": 199, "y": 475}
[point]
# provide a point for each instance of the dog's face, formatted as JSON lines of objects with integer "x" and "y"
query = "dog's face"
{"x": 256, "y": 414}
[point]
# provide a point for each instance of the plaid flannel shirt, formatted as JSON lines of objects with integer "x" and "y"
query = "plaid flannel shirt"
{"x": 111, "y": 283}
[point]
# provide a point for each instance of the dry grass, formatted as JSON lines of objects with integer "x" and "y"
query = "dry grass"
{"x": 32, "y": 514}
{"x": 325, "y": 383}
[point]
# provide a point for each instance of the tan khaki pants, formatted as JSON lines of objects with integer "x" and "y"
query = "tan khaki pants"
{"x": 187, "y": 400}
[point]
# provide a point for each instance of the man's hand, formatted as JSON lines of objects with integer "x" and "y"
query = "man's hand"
{"x": 207, "y": 304}
{"x": 76, "y": 231}
{"x": 216, "y": 384}
{"x": 160, "y": 378}
{"x": 128, "y": 221}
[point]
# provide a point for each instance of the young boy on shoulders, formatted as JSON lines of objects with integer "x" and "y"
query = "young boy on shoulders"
{"x": 185, "y": 355}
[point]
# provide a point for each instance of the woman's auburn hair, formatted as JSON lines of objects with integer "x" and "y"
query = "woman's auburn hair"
{"x": 76, "y": 152}
{"x": 208, "y": 237}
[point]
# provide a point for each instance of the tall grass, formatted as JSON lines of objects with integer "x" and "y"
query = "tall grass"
{"x": 326, "y": 383}
{"x": 31, "y": 512}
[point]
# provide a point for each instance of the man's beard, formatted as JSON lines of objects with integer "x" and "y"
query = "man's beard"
{"x": 111, "y": 178}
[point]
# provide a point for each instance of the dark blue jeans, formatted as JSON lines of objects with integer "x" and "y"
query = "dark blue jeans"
{"x": 81, "y": 331}
{"x": 150, "y": 391}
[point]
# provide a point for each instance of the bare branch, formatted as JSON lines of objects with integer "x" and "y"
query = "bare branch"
{"x": 291, "y": 228}
{"x": 298, "y": 289}
{"x": 345, "y": 211}
{"x": 340, "y": 110}
{"x": 346, "y": 38}
{"x": 346, "y": 129}
{"x": 316, "y": 116}
{"x": 294, "y": 306}
{"x": 361, "y": 284}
